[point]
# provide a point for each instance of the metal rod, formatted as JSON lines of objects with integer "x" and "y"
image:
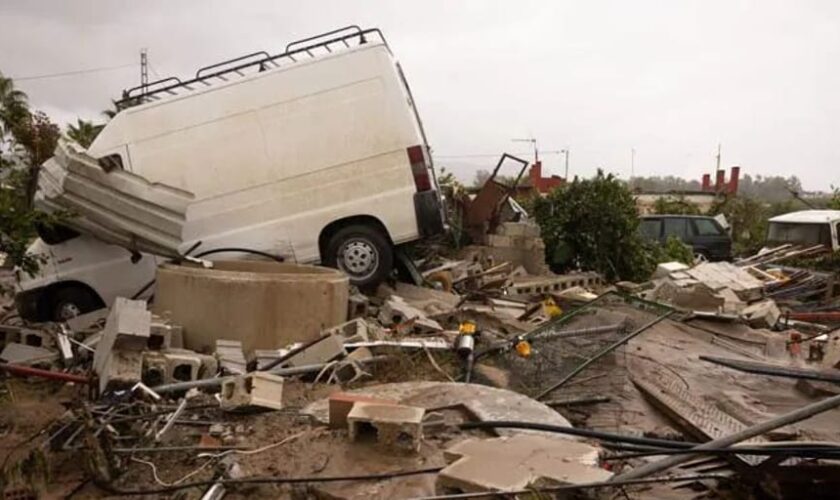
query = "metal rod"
{"x": 725, "y": 441}
{"x": 37, "y": 372}
{"x": 603, "y": 353}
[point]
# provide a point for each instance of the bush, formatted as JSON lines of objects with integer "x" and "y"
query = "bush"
{"x": 593, "y": 225}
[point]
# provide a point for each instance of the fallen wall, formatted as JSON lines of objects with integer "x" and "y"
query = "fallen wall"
{"x": 265, "y": 305}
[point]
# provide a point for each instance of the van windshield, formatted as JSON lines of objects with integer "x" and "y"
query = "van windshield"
{"x": 803, "y": 234}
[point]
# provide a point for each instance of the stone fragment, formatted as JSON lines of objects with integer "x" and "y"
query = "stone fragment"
{"x": 763, "y": 314}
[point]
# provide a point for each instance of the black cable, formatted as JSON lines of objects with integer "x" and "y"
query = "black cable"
{"x": 241, "y": 250}
{"x": 800, "y": 452}
{"x": 266, "y": 480}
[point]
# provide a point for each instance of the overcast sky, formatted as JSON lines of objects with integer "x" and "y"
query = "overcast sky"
{"x": 670, "y": 79}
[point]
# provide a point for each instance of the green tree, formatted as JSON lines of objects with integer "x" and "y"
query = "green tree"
{"x": 84, "y": 132}
{"x": 27, "y": 139}
{"x": 675, "y": 206}
{"x": 834, "y": 202}
{"x": 593, "y": 224}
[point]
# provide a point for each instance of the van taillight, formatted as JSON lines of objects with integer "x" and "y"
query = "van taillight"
{"x": 419, "y": 168}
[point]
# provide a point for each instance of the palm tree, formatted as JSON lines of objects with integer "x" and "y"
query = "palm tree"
{"x": 14, "y": 106}
{"x": 83, "y": 132}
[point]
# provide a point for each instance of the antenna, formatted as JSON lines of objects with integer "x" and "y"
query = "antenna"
{"x": 718, "y": 160}
{"x": 144, "y": 70}
{"x": 534, "y": 143}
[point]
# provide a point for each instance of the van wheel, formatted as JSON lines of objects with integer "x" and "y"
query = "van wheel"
{"x": 72, "y": 301}
{"x": 362, "y": 253}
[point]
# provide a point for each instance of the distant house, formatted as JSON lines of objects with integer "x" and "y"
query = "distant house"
{"x": 703, "y": 199}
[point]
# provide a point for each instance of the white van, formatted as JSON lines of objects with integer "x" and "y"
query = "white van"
{"x": 315, "y": 155}
{"x": 806, "y": 228}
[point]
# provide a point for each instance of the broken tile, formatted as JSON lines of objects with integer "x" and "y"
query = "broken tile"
{"x": 340, "y": 404}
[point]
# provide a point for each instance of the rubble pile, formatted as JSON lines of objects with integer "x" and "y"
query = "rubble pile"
{"x": 486, "y": 374}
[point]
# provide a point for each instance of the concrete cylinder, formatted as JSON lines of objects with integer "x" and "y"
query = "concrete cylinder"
{"x": 265, "y": 305}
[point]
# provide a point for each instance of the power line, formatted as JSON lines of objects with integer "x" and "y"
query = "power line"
{"x": 71, "y": 73}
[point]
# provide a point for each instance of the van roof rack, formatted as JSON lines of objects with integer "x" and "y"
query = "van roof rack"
{"x": 255, "y": 62}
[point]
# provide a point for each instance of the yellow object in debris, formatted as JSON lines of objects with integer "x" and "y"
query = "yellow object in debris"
{"x": 466, "y": 328}
{"x": 523, "y": 348}
{"x": 551, "y": 309}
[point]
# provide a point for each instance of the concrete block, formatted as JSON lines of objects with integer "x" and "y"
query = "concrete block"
{"x": 36, "y": 338}
{"x": 664, "y": 269}
{"x": 87, "y": 321}
{"x": 165, "y": 334}
{"x": 230, "y": 356}
{"x": 356, "y": 330}
{"x": 358, "y": 306}
{"x": 517, "y": 462}
{"x": 763, "y": 314}
{"x": 349, "y": 370}
{"x": 177, "y": 365}
{"x": 326, "y": 350}
{"x": 499, "y": 241}
{"x": 128, "y": 328}
{"x": 256, "y": 389}
{"x": 396, "y": 311}
{"x": 394, "y": 427}
{"x": 340, "y": 404}
{"x": 121, "y": 370}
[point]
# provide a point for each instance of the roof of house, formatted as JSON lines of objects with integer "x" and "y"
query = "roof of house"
{"x": 809, "y": 217}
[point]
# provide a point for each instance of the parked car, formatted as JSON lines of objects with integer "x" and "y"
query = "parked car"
{"x": 704, "y": 234}
{"x": 316, "y": 154}
{"x": 806, "y": 228}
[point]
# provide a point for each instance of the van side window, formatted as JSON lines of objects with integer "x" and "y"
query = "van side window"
{"x": 55, "y": 234}
{"x": 705, "y": 227}
{"x": 676, "y": 227}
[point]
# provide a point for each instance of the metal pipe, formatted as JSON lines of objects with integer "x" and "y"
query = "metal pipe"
{"x": 731, "y": 439}
{"x": 603, "y": 353}
{"x": 209, "y": 383}
{"x": 37, "y": 372}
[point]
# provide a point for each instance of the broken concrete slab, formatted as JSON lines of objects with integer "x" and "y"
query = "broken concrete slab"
{"x": 517, "y": 462}
{"x": 340, "y": 404}
{"x": 23, "y": 354}
{"x": 392, "y": 426}
{"x": 230, "y": 356}
{"x": 87, "y": 321}
{"x": 256, "y": 389}
{"x": 323, "y": 351}
{"x": 355, "y": 330}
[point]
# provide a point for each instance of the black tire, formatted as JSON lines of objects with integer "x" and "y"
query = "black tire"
{"x": 73, "y": 300}
{"x": 363, "y": 253}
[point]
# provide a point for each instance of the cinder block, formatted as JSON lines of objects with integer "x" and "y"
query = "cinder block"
{"x": 349, "y": 370}
{"x": 121, "y": 369}
{"x": 254, "y": 389}
{"x": 177, "y": 365}
{"x": 497, "y": 240}
{"x": 326, "y": 350}
{"x": 357, "y": 306}
{"x": 341, "y": 403}
{"x": 394, "y": 427}
{"x": 128, "y": 328}
{"x": 165, "y": 335}
{"x": 356, "y": 330}
{"x": 36, "y": 338}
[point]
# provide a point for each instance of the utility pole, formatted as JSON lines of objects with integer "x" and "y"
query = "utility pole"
{"x": 566, "y": 154}
{"x": 632, "y": 163}
{"x": 533, "y": 143}
{"x": 144, "y": 71}
{"x": 718, "y": 160}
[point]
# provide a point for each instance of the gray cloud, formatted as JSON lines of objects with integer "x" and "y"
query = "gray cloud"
{"x": 670, "y": 79}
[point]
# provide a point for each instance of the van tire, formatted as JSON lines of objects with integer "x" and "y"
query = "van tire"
{"x": 363, "y": 253}
{"x": 72, "y": 301}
